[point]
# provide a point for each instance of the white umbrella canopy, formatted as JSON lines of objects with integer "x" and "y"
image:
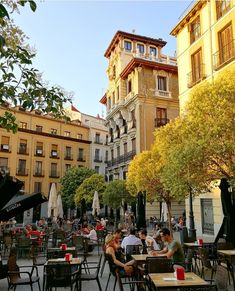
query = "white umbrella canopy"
{"x": 60, "y": 212}
{"x": 96, "y": 204}
{"x": 52, "y": 202}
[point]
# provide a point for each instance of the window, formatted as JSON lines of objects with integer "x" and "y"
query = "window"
{"x": 67, "y": 167}
{"x": 4, "y": 165}
{"x": 114, "y": 72}
{"x": 125, "y": 148}
{"x": 106, "y": 156}
{"x": 128, "y": 86}
{"x": 68, "y": 153}
{"x": 226, "y": 44}
{"x": 207, "y": 216}
{"x": 195, "y": 29}
{"x": 53, "y": 169}
{"x": 67, "y": 133}
{"x": 21, "y": 167}
{"x": 118, "y": 151}
{"x": 113, "y": 98}
{"x": 37, "y": 187}
{"x": 162, "y": 83}
{"x": 38, "y": 128}
{"x": 133, "y": 143}
{"x": 161, "y": 119}
{"x": 79, "y": 136}
{"x": 23, "y": 125}
{"x": 222, "y": 6}
{"x": 38, "y": 168}
{"x": 153, "y": 51}
{"x": 117, "y": 93}
{"x": 23, "y": 146}
{"x": 197, "y": 67}
{"x": 54, "y": 150}
{"x": 53, "y": 131}
{"x": 97, "y": 154}
{"x": 39, "y": 148}
{"x": 111, "y": 152}
{"x": 5, "y": 143}
{"x": 140, "y": 48}
{"x": 127, "y": 45}
{"x": 97, "y": 138}
{"x": 80, "y": 154}
{"x": 97, "y": 169}
{"x": 106, "y": 139}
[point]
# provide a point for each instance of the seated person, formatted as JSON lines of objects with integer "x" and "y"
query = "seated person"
{"x": 99, "y": 226}
{"x": 172, "y": 250}
{"x": 84, "y": 229}
{"x": 131, "y": 239}
{"x": 111, "y": 248}
{"x": 92, "y": 233}
{"x": 148, "y": 242}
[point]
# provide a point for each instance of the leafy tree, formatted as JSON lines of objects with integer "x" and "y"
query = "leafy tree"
{"x": 72, "y": 179}
{"x": 20, "y": 83}
{"x": 88, "y": 187}
{"x": 116, "y": 194}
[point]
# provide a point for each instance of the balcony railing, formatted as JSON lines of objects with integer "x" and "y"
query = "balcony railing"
{"x": 54, "y": 155}
{"x": 23, "y": 151}
{"x": 81, "y": 159}
{"x": 161, "y": 121}
{"x": 54, "y": 174}
{"x": 122, "y": 159}
{"x": 196, "y": 76}
{"x": 98, "y": 141}
{"x": 224, "y": 56}
{"x": 4, "y": 170}
{"x": 38, "y": 173}
{"x": 98, "y": 160}
{"x": 5, "y": 148}
{"x": 22, "y": 172}
{"x": 68, "y": 157}
{"x": 163, "y": 93}
{"x": 39, "y": 153}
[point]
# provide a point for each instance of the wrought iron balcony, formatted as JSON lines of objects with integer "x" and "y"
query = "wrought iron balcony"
{"x": 122, "y": 159}
{"x": 224, "y": 56}
{"x": 54, "y": 174}
{"x": 22, "y": 172}
{"x": 196, "y": 76}
{"x": 161, "y": 121}
{"x": 38, "y": 173}
{"x": 163, "y": 93}
{"x": 39, "y": 153}
{"x": 23, "y": 151}
{"x": 81, "y": 159}
{"x": 54, "y": 155}
{"x": 97, "y": 159}
{"x": 68, "y": 157}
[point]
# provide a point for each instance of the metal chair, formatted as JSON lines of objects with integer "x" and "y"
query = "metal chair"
{"x": 159, "y": 265}
{"x": 60, "y": 275}
{"x": 90, "y": 276}
{"x": 132, "y": 250}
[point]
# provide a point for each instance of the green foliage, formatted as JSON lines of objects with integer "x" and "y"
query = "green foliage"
{"x": 116, "y": 194}
{"x": 20, "y": 83}
{"x": 88, "y": 187}
{"x": 72, "y": 179}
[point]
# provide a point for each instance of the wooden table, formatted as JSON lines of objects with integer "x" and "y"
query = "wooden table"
{"x": 73, "y": 261}
{"x": 229, "y": 256}
{"x": 168, "y": 280}
{"x": 61, "y": 253}
{"x": 140, "y": 259}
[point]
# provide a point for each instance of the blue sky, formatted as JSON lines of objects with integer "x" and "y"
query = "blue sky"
{"x": 71, "y": 37}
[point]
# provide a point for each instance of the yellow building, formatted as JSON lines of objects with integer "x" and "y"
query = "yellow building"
{"x": 142, "y": 95}
{"x": 42, "y": 150}
{"x": 205, "y": 46}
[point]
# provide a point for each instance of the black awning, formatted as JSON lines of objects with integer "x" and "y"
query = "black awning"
{"x": 9, "y": 186}
{"x": 19, "y": 204}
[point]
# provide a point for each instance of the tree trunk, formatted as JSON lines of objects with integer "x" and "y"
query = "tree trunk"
{"x": 168, "y": 203}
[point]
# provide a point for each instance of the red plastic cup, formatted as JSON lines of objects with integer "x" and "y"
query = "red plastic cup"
{"x": 67, "y": 257}
{"x": 63, "y": 247}
{"x": 180, "y": 274}
{"x": 200, "y": 242}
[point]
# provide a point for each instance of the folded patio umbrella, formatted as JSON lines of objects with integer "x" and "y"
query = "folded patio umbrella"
{"x": 9, "y": 186}
{"x": 19, "y": 204}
